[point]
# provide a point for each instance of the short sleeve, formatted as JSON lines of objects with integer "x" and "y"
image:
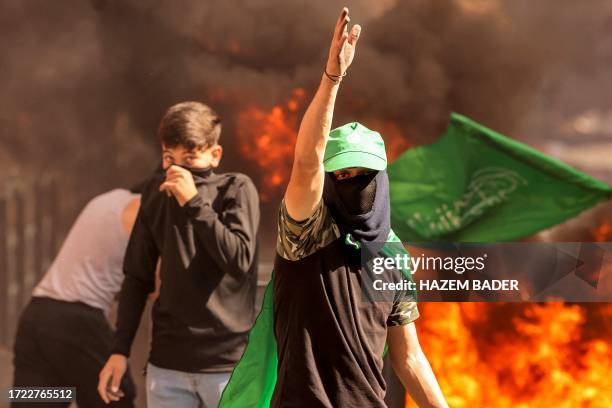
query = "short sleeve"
{"x": 298, "y": 239}
{"x": 402, "y": 313}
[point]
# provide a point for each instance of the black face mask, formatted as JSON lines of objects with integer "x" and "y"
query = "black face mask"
{"x": 357, "y": 193}
{"x": 198, "y": 173}
{"x": 370, "y": 197}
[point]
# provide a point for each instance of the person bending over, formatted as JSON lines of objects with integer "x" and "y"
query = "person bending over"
{"x": 64, "y": 337}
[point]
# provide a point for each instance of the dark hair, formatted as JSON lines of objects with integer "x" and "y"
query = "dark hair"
{"x": 191, "y": 125}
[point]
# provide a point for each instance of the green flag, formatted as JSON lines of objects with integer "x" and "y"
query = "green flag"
{"x": 476, "y": 185}
{"x": 472, "y": 185}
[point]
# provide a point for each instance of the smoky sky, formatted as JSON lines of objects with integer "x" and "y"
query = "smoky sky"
{"x": 84, "y": 83}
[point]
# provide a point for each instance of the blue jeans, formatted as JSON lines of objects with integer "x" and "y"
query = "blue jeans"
{"x": 178, "y": 389}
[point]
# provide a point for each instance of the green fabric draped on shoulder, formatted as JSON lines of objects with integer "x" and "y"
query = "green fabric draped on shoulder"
{"x": 254, "y": 377}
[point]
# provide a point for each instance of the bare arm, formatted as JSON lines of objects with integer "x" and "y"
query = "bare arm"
{"x": 306, "y": 182}
{"x": 128, "y": 216}
{"x": 412, "y": 367}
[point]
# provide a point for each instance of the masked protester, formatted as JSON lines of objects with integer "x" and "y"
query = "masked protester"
{"x": 203, "y": 226}
{"x": 330, "y": 340}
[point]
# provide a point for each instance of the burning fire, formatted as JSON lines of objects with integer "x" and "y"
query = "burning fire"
{"x": 504, "y": 355}
{"x": 603, "y": 232}
{"x": 268, "y": 137}
{"x": 521, "y": 355}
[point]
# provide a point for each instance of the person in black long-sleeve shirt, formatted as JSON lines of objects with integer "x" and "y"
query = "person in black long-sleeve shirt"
{"x": 203, "y": 226}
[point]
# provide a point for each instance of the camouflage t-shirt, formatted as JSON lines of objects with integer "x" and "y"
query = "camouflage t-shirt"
{"x": 298, "y": 239}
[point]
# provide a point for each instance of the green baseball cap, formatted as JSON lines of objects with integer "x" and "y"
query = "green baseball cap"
{"x": 354, "y": 145}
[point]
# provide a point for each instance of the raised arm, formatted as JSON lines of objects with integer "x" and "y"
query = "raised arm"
{"x": 305, "y": 187}
{"x": 412, "y": 368}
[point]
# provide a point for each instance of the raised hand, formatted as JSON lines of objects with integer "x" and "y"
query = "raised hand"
{"x": 305, "y": 188}
{"x": 342, "y": 50}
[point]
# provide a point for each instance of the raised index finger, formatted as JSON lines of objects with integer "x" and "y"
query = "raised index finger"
{"x": 341, "y": 22}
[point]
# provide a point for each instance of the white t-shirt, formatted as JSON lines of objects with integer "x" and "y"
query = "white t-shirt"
{"x": 88, "y": 267}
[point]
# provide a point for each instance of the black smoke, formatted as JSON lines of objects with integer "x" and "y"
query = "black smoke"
{"x": 84, "y": 83}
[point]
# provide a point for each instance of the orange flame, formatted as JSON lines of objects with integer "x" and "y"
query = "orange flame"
{"x": 603, "y": 232}
{"x": 541, "y": 357}
{"x": 268, "y": 138}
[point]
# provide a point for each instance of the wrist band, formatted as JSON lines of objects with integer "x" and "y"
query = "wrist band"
{"x": 335, "y": 78}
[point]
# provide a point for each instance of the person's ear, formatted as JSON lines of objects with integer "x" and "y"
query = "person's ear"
{"x": 215, "y": 154}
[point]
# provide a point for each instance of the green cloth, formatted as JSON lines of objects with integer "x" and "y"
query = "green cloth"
{"x": 354, "y": 145}
{"x": 476, "y": 185}
{"x": 471, "y": 185}
{"x": 254, "y": 377}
